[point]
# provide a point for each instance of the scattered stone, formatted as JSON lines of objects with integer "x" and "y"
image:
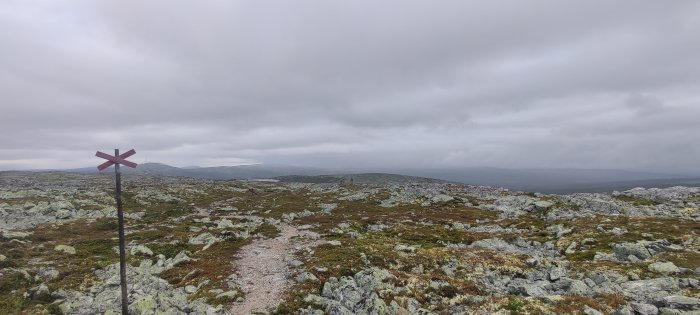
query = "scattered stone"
{"x": 557, "y": 273}
{"x": 649, "y": 289}
{"x": 618, "y": 231}
{"x": 519, "y": 246}
{"x": 190, "y": 289}
{"x": 150, "y": 293}
{"x": 296, "y": 263}
{"x": 559, "y": 230}
{"x": 664, "y": 267}
{"x": 644, "y": 308}
{"x": 306, "y": 276}
{"x": 328, "y": 207}
{"x": 15, "y": 234}
{"x": 625, "y": 250}
{"x": 543, "y": 205}
{"x": 224, "y": 224}
{"x": 46, "y": 274}
{"x": 204, "y": 238}
{"x": 441, "y": 198}
{"x": 405, "y": 248}
{"x": 141, "y": 250}
{"x": 65, "y": 249}
{"x": 228, "y": 294}
{"x": 591, "y": 311}
{"x": 40, "y": 291}
{"x": 683, "y": 303}
{"x": 377, "y": 227}
{"x": 354, "y": 295}
{"x": 321, "y": 269}
{"x": 518, "y": 260}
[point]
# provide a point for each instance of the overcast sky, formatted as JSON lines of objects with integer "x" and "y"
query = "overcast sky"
{"x": 587, "y": 84}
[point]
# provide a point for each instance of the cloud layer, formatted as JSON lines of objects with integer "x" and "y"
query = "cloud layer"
{"x": 352, "y": 83}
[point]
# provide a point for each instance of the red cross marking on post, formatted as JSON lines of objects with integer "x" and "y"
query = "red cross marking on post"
{"x": 111, "y": 160}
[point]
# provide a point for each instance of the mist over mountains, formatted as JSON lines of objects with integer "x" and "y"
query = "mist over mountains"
{"x": 538, "y": 180}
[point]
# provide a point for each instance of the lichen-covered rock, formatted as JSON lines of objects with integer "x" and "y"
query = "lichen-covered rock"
{"x": 141, "y": 250}
{"x": 149, "y": 294}
{"x": 511, "y": 206}
{"x": 591, "y": 311}
{"x": 355, "y": 295}
{"x": 519, "y": 246}
{"x": 625, "y": 250}
{"x": 683, "y": 303}
{"x": 650, "y": 289}
{"x": 642, "y": 250}
{"x": 306, "y": 276}
{"x": 65, "y": 249}
{"x": 204, "y": 238}
{"x": 664, "y": 267}
{"x": 441, "y": 198}
{"x": 224, "y": 224}
{"x": 644, "y": 308}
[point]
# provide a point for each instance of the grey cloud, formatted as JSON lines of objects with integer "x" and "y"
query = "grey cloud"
{"x": 392, "y": 83}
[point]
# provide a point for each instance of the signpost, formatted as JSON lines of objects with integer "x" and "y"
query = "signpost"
{"x": 116, "y": 160}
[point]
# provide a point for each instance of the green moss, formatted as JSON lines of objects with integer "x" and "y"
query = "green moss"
{"x": 429, "y": 236}
{"x": 210, "y": 196}
{"x": 148, "y": 235}
{"x": 13, "y": 281}
{"x": 581, "y": 255}
{"x": 340, "y": 260}
{"x": 99, "y": 250}
{"x": 11, "y": 303}
{"x": 514, "y": 305}
{"x": 107, "y": 224}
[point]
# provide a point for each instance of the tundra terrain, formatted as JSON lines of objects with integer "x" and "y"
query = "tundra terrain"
{"x": 198, "y": 246}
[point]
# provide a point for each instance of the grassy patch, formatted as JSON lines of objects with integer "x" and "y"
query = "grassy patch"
{"x": 574, "y": 304}
{"x": 514, "y": 305}
{"x": 294, "y": 298}
{"x": 684, "y": 259}
{"x": 208, "y": 266}
{"x": 13, "y": 281}
{"x": 429, "y": 236}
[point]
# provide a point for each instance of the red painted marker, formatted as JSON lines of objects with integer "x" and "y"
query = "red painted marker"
{"x": 111, "y": 160}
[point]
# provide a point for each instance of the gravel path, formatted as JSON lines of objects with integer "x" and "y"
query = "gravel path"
{"x": 263, "y": 269}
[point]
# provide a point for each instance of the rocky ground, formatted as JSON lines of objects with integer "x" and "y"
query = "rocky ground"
{"x": 236, "y": 247}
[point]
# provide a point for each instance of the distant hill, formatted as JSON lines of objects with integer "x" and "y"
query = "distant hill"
{"x": 559, "y": 181}
{"x": 366, "y": 178}
{"x": 218, "y": 172}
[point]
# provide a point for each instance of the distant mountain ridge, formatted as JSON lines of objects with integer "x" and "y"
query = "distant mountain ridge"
{"x": 256, "y": 171}
{"x": 362, "y": 178}
{"x": 558, "y": 181}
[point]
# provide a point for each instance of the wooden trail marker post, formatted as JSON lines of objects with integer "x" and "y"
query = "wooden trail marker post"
{"x": 116, "y": 160}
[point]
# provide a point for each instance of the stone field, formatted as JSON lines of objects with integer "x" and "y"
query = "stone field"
{"x": 241, "y": 247}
